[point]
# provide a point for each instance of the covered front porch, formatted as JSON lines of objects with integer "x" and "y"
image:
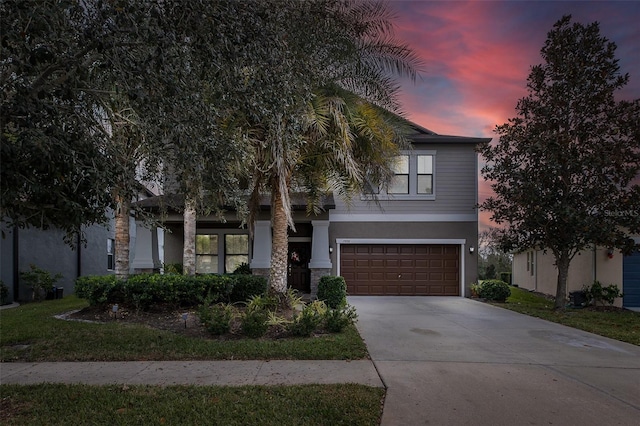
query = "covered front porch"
{"x": 224, "y": 243}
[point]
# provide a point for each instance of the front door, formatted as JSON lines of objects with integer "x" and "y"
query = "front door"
{"x": 299, "y": 275}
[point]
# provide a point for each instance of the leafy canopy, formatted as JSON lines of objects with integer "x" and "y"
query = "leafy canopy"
{"x": 565, "y": 170}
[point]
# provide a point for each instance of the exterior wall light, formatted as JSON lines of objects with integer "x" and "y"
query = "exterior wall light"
{"x": 471, "y": 250}
{"x": 330, "y": 249}
{"x": 610, "y": 253}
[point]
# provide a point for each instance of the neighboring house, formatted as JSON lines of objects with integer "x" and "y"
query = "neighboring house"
{"x": 419, "y": 238}
{"x": 19, "y": 248}
{"x": 534, "y": 270}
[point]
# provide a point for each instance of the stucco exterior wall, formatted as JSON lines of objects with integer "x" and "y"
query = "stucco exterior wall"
{"x": 585, "y": 267}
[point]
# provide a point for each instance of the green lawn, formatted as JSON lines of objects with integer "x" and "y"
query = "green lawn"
{"x": 345, "y": 404}
{"x": 30, "y": 333}
{"x": 619, "y": 325}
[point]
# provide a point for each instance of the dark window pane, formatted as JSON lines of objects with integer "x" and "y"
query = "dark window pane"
{"x": 206, "y": 244}
{"x": 236, "y": 244}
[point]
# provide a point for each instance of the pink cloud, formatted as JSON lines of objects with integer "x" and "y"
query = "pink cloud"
{"x": 478, "y": 55}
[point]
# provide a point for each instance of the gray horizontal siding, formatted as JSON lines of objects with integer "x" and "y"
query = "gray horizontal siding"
{"x": 455, "y": 186}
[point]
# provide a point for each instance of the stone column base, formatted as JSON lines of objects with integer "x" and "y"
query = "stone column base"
{"x": 316, "y": 274}
{"x": 261, "y": 272}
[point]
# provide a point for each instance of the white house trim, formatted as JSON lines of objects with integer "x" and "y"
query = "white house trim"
{"x": 401, "y": 217}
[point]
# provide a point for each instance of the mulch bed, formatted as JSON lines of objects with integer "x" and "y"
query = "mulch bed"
{"x": 173, "y": 319}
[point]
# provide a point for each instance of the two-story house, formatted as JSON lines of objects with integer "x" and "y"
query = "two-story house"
{"x": 418, "y": 238}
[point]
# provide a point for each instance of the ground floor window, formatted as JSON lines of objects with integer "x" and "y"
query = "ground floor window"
{"x": 236, "y": 251}
{"x": 207, "y": 254}
{"x": 221, "y": 253}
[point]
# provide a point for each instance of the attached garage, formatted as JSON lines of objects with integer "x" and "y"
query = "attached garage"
{"x": 401, "y": 269}
{"x": 631, "y": 281}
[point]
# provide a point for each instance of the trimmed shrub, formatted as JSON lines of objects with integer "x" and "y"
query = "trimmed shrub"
{"x": 333, "y": 291}
{"x": 146, "y": 290}
{"x": 247, "y": 286}
{"x": 100, "y": 289}
{"x": 494, "y": 290}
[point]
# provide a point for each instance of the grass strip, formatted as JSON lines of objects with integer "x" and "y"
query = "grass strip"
{"x": 622, "y": 325}
{"x": 30, "y": 333}
{"x": 60, "y": 404}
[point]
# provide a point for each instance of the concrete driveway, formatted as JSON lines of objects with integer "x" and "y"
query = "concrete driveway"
{"x": 456, "y": 361}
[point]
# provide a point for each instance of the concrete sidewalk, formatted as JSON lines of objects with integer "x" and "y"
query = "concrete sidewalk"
{"x": 219, "y": 373}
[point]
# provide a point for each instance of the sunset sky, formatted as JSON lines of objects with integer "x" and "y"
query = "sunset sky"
{"x": 478, "y": 54}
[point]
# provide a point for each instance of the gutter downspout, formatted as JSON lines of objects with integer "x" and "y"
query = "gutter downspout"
{"x": 595, "y": 264}
{"x": 535, "y": 271}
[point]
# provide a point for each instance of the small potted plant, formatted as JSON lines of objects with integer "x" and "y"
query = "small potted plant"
{"x": 40, "y": 281}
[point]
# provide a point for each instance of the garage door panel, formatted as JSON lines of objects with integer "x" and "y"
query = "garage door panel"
{"x": 393, "y": 269}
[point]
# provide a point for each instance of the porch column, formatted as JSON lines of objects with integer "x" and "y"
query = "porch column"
{"x": 261, "y": 254}
{"x": 320, "y": 262}
{"x": 145, "y": 255}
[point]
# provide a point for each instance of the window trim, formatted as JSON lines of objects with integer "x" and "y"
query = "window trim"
{"x": 413, "y": 195}
{"x": 222, "y": 255}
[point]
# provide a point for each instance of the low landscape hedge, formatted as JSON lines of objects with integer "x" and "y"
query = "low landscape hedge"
{"x": 333, "y": 291}
{"x": 146, "y": 290}
{"x": 494, "y": 290}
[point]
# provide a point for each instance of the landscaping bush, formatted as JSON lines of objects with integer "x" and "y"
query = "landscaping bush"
{"x": 599, "y": 294}
{"x": 308, "y": 320}
{"x": 506, "y": 277}
{"x": 172, "y": 268}
{"x": 255, "y": 322}
{"x": 216, "y": 318}
{"x": 247, "y": 286}
{"x": 337, "y": 320}
{"x": 333, "y": 291}
{"x": 494, "y": 290}
{"x": 242, "y": 269}
{"x": 146, "y": 290}
{"x": 100, "y": 289}
{"x": 39, "y": 280}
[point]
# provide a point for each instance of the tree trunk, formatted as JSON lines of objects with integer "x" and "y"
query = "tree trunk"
{"x": 279, "y": 244}
{"x": 562, "y": 262}
{"x": 189, "y": 245}
{"x": 122, "y": 237}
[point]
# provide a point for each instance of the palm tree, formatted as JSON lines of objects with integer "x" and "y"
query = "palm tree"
{"x": 343, "y": 137}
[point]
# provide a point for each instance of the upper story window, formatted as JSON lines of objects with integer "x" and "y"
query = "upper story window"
{"x": 400, "y": 182}
{"x": 414, "y": 177}
{"x": 425, "y": 174}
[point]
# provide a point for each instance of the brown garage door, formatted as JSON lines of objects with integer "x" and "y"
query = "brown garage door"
{"x": 401, "y": 269}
